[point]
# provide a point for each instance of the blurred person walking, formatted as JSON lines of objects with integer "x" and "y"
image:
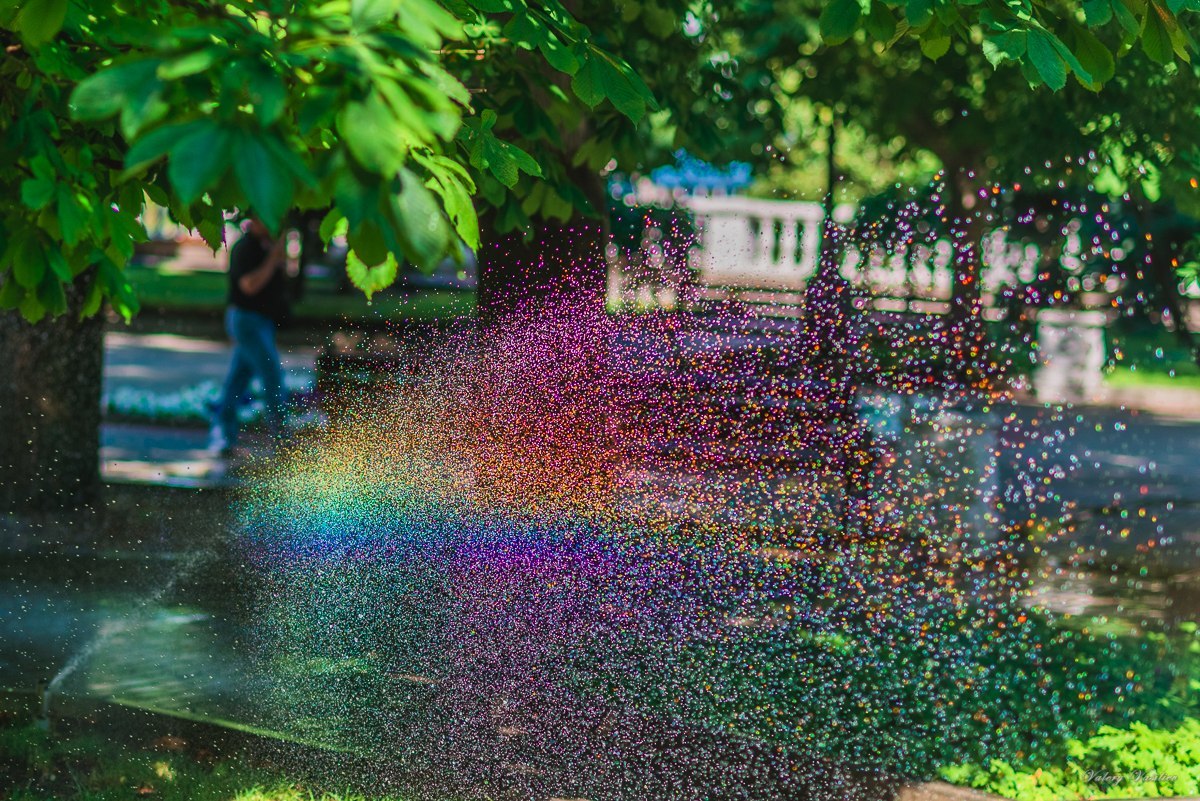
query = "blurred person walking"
{"x": 257, "y": 303}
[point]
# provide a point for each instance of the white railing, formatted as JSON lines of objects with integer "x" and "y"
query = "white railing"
{"x": 754, "y": 244}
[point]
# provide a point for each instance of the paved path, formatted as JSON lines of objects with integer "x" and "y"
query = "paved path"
{"x": 168, "y": 362}
{"x": 160, "y": 365}
{"x": 1109, "y": 457}
{"x": 1096, "y": 456}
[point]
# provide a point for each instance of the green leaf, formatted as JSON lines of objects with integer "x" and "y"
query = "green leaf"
{"x": 880, "y": 23}
{"x": 264, "y": 179}
{"x": 428, "y": 24}
{"x": 330, "y": 225}
{"x": 11, "y": 293}
{"x": 157, "y": 194}
{"x": 1073, "y": 64}
{"x": 198, "y": 160}
{"x": 918, "y": 12}
{"x": 411, "y": 122}
{"x": 511, "y": 218}
{"x": 36, "y": 192}
{"x": 453, "y": 186}
{"x": 42, "y": 168}
{"x": 269, "y": 96}
{"x": 370, "y": 132}
{"x": 73, "y": 219}
{"x": 151, "y": 146}
{"x": 40, "y": 20}
{"x": 447, "y": 84}
{"x": 28, "y": 262}
{"x": 935, "y": 42}
{"x": 124, "y": 230}
{"x": 58, "y": 266}
{"x": 1094, "y": 56}
{"x": 492, "y": 6}
{"x": 355, "y": 199}
{"x": 188, "y": 64}
{"x": 588, "y": 84}
{"x": 532, "y": 202}
{"x": 1125, "y": 17}
{"x": 423, "y": 229}
{"x": 525, "y": 30}
{"x": 1046, "y": 60}
{"x": 368, "y": 242}
{"x": 317, "y": 106}
{"x": 213, "y": 233}
{"x": 660, "y": 21}
{"x": 369, "y": 13}
{"x": 505, "y": 161}
{"x": 839, "y": 20}
{"x": 118, "y": 289}
{"x": 109, "y": 91}
{"x": 601, "y": 76}
{"x": 287, "y": 157}
{"x": 142, "y": 110}
{"x": 1156, "y": 38}
{"x": 371, "y": 279}
{"x": 1008, "y": 46}
{"x": 558, "y": 55}
{"x": 51, "y": 296}
{"x": 554, "y": 206}
{"x": 31, "y": 308}
{"x": 93, "y": 300}
{"x": 1097, "y": 12}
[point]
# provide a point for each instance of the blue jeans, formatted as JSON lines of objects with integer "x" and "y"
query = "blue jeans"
{"x": 254, "y": 355}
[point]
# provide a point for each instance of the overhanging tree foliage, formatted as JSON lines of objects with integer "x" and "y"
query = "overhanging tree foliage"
{"x": 1126, "y": 122}
{"x": 395, "y": 114}
{"x": 400, "y": 117}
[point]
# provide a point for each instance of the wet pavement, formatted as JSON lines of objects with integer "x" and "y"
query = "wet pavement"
{"x": 1128, "y": 483}
{"x": 1117, "y": 493}
{"x": 165, "y": 363}
{"x": 165, "y": 371}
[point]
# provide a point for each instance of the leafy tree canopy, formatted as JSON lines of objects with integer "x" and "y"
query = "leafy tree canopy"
{"x": 1048, "y": 40}
{"x": 396, "y": 114}
{"x": 207, "y": 107}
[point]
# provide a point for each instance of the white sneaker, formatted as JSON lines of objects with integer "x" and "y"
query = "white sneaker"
{"x": 218, "y": 445}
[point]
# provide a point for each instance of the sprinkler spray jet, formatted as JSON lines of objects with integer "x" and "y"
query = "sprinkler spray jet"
{"x": 42, "y": 693}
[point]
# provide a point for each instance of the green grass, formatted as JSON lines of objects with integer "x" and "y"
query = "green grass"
{"x": 1150, "y": 357}
{"x": 1128, "y": 377}
{"x": 1133, "y": 762}
{"x": 165, "y": 288}
{"x": 34, "y": 766}
{"x": 1138, "y": 355}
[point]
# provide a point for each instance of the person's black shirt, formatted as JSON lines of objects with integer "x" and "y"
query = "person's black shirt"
{"x": 247, "y": 255}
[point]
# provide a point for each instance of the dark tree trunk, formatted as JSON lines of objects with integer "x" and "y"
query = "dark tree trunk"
{"x": 1169, "y": 234}
{"x": 966, "y": 338}
{"x": 565, "y": 261}
{"x": 50, "y": 410}
{"x": 308, "y": 225}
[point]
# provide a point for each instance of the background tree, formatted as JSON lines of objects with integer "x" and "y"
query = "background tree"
{"x": 911, "y": 80}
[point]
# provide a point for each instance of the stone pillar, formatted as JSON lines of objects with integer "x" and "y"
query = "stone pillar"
{"x": 1071, "y": 356}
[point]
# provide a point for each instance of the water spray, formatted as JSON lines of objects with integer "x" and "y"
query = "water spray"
{"x": 41, "y": 691}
